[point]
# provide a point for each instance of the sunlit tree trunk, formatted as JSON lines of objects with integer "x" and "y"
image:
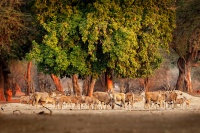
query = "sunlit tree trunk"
{"x": 17, "y": 89}
{"x": 188, "y": 81}
{"x": 57, "y": 82}
{"x": 76, "y": 87}
{"x": 109, "y": 82}
{"x": 9, "y": 95}
{"x": 91, "y": 86}
{"x": 2, "y": 96}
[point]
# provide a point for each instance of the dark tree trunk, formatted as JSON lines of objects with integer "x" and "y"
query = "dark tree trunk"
{"x": 181, "y": 77}
{"x": 2, "y": 96}
{"x": 146, "y": 84}
{"x": 184, "y": 78}
{"x": 76, "y": 87}
{"x": 7, "y": 88}
{"x": 57, "y": 83}
{"x": 28, "y": 78}
{"x": 5, "y": 91}
{"x": 103, "y": 82}
{"x": 86, "y": 85}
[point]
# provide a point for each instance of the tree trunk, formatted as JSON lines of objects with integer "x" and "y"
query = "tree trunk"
{"x": 28, "y": 78}
{"x": 146, "y": 84}
{"x": 109, "y": 82}
{"x": 86, "y": 85}
{"x": 180, "y": 81}
{"x": 184, "y": 82}
{"x": 91, "y": 86}
{"x": 57, "y": 83}
{"x": 7, "y": 88}
{"x": 188, "y": 81}
{"x": 121, "y": 86}
{"x": 103, "y": 82}
{"x": 2, "y": 96}
{"x": 76, "y": 87}
{"x": 8, "y": 95}
{"x": 17, "y": 89}
{"x": 13, "y": 86}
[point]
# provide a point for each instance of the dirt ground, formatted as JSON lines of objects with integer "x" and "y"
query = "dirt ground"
{"x": 24, "y": 118}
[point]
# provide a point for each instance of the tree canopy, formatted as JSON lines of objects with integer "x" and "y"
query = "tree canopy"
{"x": 16, "y": 29}
{"x": 186, "y": 41}
{"x": 90, "y": 37}
{"x": 187, "y": 33}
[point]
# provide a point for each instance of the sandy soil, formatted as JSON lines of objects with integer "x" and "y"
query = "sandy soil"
{"x": 24, "y": 118}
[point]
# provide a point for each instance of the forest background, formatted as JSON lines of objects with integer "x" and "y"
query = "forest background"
{"x": 51, "y": 47}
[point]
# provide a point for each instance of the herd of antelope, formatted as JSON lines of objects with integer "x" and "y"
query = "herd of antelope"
{"x": 165, "y": 99}
{"x": 106, "y": 100}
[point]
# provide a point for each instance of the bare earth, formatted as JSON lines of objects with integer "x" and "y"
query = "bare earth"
{"x": 24, "y": 118}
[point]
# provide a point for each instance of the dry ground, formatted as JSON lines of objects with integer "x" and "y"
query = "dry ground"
{"x": 138, "y": 120}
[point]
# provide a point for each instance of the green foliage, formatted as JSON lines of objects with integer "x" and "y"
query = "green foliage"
{"x": 95, "y": 36}
{"x": 186, "y": 36}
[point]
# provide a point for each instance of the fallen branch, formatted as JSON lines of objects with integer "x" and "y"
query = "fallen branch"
{"x": 17, "y": 111}
{"x": 43, "y": 113}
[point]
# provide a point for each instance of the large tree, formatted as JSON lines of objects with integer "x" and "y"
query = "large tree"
{"x": 119, "y": 37}
{"x": 187, "y": 41}
{"x": 15, "y": 35}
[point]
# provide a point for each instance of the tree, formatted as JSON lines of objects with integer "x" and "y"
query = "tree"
{"x": 186, "y": 41}
{"x": 121, "y": 38}
{"x": 16, "y": 31}
{"x": 57, "y": 82}
{"x": 28, "y": 78}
